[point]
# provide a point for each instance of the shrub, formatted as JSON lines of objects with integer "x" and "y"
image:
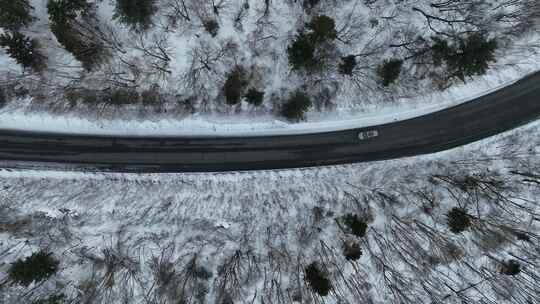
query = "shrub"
{"x": 373, "y": 22}
{"x": 296, "y": 106}
{"x": 235, "y": 86}
{"x": 122, "y": 96}
{"x": 212, "y": 27}
{"x": 347, "y": 65}
{"x": 151, "y": 97}
{"x": 90, "y": 97}
{"x": 255, "y": 97}
{"x": 37, "y": 267}
{"x": 317, "y": 280}
{"x": 458, "y": 220}
{"x": 352, "y": 251}
{"x": 511, "y": 268}
{"x": 85, "y": 96}
{"x": 389, "y": 71}
{"x": 309, "y": 4}
{"x": 72, "y": 96}
{"x": 54, "y": 299}
{"x": 354, "y": 224}
{"x": 24, "y": 50}
{"x": 323, "y": 29}
{"x": 20, "y": 91}
{"x": 3, "y": 98}
{"x": 522, "y": 236}
{"x": 15, "y": 14}
{"x": 135, "y": 13}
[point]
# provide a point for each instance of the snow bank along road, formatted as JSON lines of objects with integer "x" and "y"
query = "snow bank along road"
{"x": 499, "y": 111}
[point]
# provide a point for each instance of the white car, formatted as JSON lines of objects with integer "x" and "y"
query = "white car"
{"x": 368, "y": 134}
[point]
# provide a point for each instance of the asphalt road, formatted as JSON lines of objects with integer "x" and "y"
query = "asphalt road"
{"x": 502, "y": 110}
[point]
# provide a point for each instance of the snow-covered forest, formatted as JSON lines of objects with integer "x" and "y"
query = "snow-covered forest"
{"x": 144, "y": 58}
{"x": 460, "y": 226}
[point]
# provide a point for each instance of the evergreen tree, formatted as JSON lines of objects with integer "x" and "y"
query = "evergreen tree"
{"x": 255, "y": 97}
{"x": 354, "y": 224}
{"x": 352, "y": 250}
{"x": 37, "y": 267}
{"x": 309, "y": 4}
{"x": 3, "y": 98}
{"x": 235, "y": 86}
{"x": 323, "y": 29}
{"x": 347, "y": 65}
{"x": 473, "y": 56}
{"x": 135, "y": 13}
{"x": 212, "y": 27}
{"x": 302, "y": 53}
{"x": 23, "y": 49}
{"x": 54, "y": 299}
{"x": 15, "y": 14}
{"x": 62, "y": 12}
{"x": 440, "y": 51}
{"x": 121, "y": 96}
{"x": 511, "y": 268}
{"x": 307, "y": 52}
{"x": 458, "y": 220}
{"x": 389, "y": 71}
{"x": 467, "y": 57}
{"x": 64, "y": 23}
{"x": 317, "y": 280}
{"x": 296, "y": 106}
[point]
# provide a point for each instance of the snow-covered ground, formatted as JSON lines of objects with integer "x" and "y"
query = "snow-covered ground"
{"x": 247, "y": 237}
{"x": 17, "y": 118}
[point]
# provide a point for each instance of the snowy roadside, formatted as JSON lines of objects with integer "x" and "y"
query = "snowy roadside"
{"x": 247, "y": 125}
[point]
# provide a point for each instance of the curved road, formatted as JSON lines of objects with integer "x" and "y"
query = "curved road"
{"x": 502, "y": 110}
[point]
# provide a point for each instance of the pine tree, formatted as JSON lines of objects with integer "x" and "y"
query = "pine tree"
{"x": 296, "y": 106}
{"x": 211, "y": 26}
{"x": 354, "y": 224}
{"x": 347, "y": 65}
{"x": 61, "y": 12}
{"x": 352, "y": 250}
{"x": 511, "y": 268}
{"x": 255, "y": 97}
{"x": 440, "y": 51}
{"x": 317, "y": 279}
{"x": 473, "y": 56}
{"x": 135, "y": 13}
{"x": 23, "y": 49}
{"x": 323, "y": 29}
{"x": 389, "y": 71}
{"x": 3, "y": 98}
{"x": 54, "y": 299}
{"x": 235, "y": 86}
{"x": 15, "y": 14}
{"x": 64, "y": 24}
{"x": 467, "y": 57}
{"x": 307, "y": 52}
{"x": 35, "y": 268}
{"x": 458, "y": 220}
{"x": 309, "y": 4}
{"x": 302, "y": 53}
